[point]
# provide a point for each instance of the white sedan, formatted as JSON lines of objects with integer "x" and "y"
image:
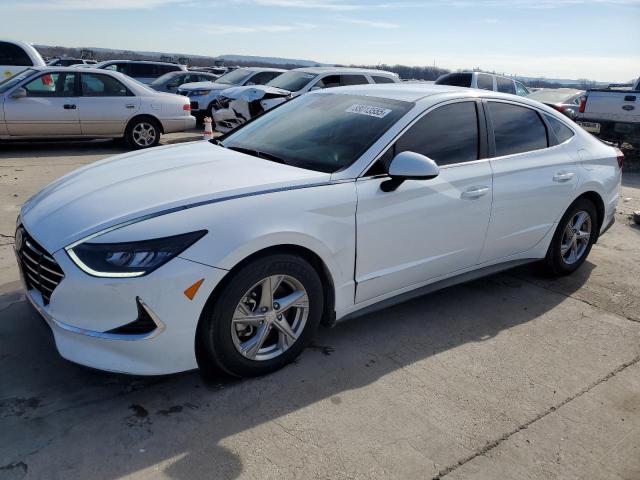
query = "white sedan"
{"x": 72, "y": 102}
{"x": 229, "y": 254}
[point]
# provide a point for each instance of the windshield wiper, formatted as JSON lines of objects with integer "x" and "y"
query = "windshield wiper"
{"x": 259, "y": 154}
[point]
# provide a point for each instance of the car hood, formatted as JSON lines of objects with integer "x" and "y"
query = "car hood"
{"x": 131, "y": 186}
{"x": 203, "y": 86}
{"x": 254, "y": 92}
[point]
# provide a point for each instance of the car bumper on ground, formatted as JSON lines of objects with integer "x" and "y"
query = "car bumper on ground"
{"x": 84, "y": 310}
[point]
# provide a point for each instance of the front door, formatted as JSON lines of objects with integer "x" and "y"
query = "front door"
{"x": 106, "y": 105}
{"x": 49, "y": 109}
{"x": 425, "y": 229}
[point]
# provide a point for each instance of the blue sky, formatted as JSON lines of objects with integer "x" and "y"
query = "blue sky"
{"x": 597, "y": 39}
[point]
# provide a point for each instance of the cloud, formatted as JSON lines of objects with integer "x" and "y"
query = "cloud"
{"x": 223, "y": 29}
{"x": 368, "y": 23}
{"x": 100, "y": 4}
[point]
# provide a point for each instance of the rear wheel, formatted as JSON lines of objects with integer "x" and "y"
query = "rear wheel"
{"x": 262, "y": 318}
{"x": 143, "y": 133}
{"x": 573, "y": 238}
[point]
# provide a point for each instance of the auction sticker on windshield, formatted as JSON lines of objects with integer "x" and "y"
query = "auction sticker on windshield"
{"x": 369, "y": 110}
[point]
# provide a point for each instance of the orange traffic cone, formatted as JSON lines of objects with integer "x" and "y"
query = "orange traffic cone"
{"x": 208, "y": 130}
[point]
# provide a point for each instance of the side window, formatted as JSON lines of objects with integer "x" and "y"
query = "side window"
{"x": 113, "y": 67}
{"x": 485, "y": 82}
{"x": 13, "y": 55}
{"x": 96, "y": 85}
{"x": 579, "y": 99}
{"x": 328, "y": 82}
{"x": 52, "y": 85}
{"x": 378, "y": 79}
{"x": 447, "y": 135}
{"x": 516, "y": 129}
{"x": 162, "y": 69}
{"x": 521, "y": 90}
{"x": 455, "y": 80}
{"x": 262, "y": 77}
{"x": 505, "y": 85}
{"x": 563, "y": 133}
{"x": 346, "y": 80}
{"x": 143, "y": 70}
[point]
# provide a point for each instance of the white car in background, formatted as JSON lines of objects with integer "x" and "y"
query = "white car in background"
{"x": 484, "y": 81}
{"x": 238, "y": 105}
{"x": 71, "y": 102}
{"x": 16, "y": 56}
{"x": 203, "y": 95}
{"x": 228, "y": 254}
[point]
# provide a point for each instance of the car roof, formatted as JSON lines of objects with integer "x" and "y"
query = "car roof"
{"x": 141, "y": 61}
{"x": 259, "y": 69}
{"x": 413, "y": 92}
{"x": 318, "y": 70}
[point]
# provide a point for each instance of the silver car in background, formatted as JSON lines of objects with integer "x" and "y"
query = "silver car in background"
{"x": 71, "y": 102}
{"x": 170, "y": 82}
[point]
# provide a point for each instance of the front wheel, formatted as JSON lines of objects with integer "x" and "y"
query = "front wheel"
{"x": 143, "y": 133}
{"x": 573, "y": 238}
{"x": 262, "y": 318}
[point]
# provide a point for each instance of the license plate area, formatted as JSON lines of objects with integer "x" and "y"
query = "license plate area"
{"x": 590, "y": 127}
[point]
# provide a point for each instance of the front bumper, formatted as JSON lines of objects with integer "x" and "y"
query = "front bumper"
{"x": 226, "y": 120}
{"x": 83, "y": 309}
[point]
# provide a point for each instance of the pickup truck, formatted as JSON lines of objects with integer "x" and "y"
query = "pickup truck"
{"x": 612, "y": 114}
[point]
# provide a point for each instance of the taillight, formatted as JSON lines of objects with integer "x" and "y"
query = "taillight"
{"x": 560, "y": 108}
{"x": 186, "y": 107}
{"x": 583, "y": 104}
{"x": 620, "y": 157}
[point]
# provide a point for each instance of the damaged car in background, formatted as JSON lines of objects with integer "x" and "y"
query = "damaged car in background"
{"x": 237, "y": 105}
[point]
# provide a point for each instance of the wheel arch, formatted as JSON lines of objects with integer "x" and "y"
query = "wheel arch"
{"x": 140, "y": 116}
{"x": 595, "y": 198}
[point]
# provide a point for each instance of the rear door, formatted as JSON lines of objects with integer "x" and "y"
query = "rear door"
{"x": 106, "y": 105}
{"x": 532, "y": 183}
{"x": 425, "y": 229}
{"x": 49, "y": 109}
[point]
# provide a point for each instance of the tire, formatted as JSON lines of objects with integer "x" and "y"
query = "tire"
{"x": 143, "y": 132}
{"x": 568, "y": 249}
{"x": 229, "y": 333}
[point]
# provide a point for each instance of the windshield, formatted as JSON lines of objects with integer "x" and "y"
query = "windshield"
{"x": 292, "y": 81}
{"x": 323, "y": 132}
{"x": 164, "y": 78}
{"x": 17, "y": 78}
{"x": 553, "y": 96}
{"x": 234, "y": 78}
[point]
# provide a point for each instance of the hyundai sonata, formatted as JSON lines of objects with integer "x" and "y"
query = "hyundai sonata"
{"x": 229, "y": 254}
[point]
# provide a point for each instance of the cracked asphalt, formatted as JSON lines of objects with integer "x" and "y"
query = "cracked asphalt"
{"x": 515, "y": 376}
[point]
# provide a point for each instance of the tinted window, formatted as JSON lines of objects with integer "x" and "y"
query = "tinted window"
{"x": 485, "y": 82}
{"x": 52, "y": 85}
{"x": 563, "y": 133}
{"x": 162, "y": 69}
{"x": 447, "y": 135}
{"x": 328, "y": 82}
{"x": 505, "y": 85}
{"x": 521, "y": 90}
{"x": 323, "y": 132}
{"x": 378, "y": 79}
{"x": 455, "y": 80}
{"x": 262, "y": 78}
{"x": 143, "y": 70}
{"x": 292, "y": 80}
{"x": 96, "y": 85}
{"x": 517, "y": 129}
{"x": 346, "y": 80}
{"x": 11, "y": 54}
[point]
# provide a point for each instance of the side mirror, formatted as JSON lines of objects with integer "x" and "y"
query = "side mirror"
{"x": 19, "y": 93}
{"x": 409, "y": 166}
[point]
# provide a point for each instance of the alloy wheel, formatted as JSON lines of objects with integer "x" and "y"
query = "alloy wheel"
{"x": 144, "y": 134}
{"x": 575, "y": 238}
{"x": 270, "y": 317}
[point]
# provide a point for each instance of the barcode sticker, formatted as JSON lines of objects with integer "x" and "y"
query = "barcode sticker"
{"x": 369, "y": 110}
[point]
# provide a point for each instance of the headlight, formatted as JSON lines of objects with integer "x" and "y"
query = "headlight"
{"x": 200, "y": 92}
{"x": 130, "y": 259}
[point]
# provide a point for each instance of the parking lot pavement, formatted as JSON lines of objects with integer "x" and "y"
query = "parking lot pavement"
{"x": 512, "y": 376}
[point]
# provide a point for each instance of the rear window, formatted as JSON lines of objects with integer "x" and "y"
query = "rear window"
{"x": 506, "y": 85}
{"x": 485, "y": 82}
{"x": 563, "y": 133}
{"x": 14, "y": 55}
{"x": 455, "y": 80}
{"x": 517, "y": 129}
{"x": 379, "y": 79}
{"x": 346, "y": 80}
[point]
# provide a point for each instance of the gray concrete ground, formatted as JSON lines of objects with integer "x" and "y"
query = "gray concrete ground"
{"x": 515, "y": 376}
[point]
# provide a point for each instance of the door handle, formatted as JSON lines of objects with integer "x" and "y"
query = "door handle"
{"x": 130, "y": 105}
{"x": 474, "y": 192}
{"x": 563, "y": 176}
{"x": 69, "y": 106}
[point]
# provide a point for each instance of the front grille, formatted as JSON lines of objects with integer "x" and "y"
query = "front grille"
{"x": 40, "y": 270}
